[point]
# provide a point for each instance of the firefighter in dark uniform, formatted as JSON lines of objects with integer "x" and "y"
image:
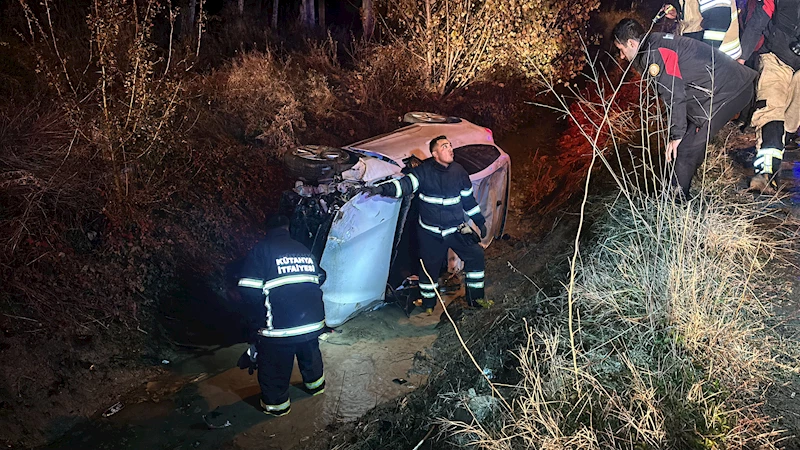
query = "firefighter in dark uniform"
{"x": 446, "y": 201}
{"x": 777, "y": 113}
{"x": 281, "y": 281}
{"x": 703, "y": 87}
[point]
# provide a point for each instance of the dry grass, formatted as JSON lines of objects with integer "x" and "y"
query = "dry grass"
{"x": 256, "y": 91}
{"x": 662, "y": 340}
{"x": 671, "y": 340}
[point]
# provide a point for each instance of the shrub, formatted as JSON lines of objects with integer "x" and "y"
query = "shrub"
{"x": 459, "y": 42}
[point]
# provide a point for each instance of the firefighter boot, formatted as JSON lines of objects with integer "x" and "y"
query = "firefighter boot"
{"x": 276, "y": 410}
{"x": 768, "y": 158}
{"x": 764, "y": 183}
{"x": 790, "y": 141}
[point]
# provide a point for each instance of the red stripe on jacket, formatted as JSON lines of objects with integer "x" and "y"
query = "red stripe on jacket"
{"x": 769, "y": 7}
{"x": 670, "y": 62}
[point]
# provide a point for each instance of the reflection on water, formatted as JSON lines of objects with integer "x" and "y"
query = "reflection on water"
{"x": 361, "y": 360}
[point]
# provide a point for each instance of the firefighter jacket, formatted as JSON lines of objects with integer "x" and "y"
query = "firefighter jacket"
{"x": 281, "y": 283}
{"x": 686, "y": 72}
{"x": 778, "y": 22}
{"x": 445, "y": 195}
{"x": 717, "y": 19}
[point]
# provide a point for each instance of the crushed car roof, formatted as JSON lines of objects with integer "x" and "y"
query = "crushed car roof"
{"x": 414, "y": 139}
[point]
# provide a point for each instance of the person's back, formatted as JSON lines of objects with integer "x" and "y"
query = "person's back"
{"x": 715, "y": 22}
{"x": 701, "y": 68}
{"x": 691, "y": 76}
{"x": 280, "y": 282}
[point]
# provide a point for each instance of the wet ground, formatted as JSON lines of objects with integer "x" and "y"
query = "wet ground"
{"x": 207, "y": 401}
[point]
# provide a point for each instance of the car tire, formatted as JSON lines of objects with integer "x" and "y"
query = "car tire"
{"x": 312, "y": 163}
{"x": 426, "y": 117}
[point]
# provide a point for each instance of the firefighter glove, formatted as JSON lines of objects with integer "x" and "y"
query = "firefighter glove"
{"x": 482, "y": 227}
{"x": 370, "y": 191}
{"x": 248, "y": 360}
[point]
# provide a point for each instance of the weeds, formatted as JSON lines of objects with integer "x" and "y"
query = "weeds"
{"x": 459, "y": 42}
{"x": 668, "y": 343}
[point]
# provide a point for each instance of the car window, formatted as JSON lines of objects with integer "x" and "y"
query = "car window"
{"x": 476, "y": 157}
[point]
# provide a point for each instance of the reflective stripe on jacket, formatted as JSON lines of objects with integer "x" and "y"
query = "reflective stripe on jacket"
{"x": 717, "y": 19}
{"x": 280, "y": 281}
{"x": 446, "y": 196}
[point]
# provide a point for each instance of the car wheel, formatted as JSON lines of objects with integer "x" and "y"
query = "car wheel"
{"x": 426, "y": 117}
{"x": 312, "y": 163}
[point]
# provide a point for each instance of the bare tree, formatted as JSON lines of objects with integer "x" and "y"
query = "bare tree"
{"x": 307, "y": 14}
{"x": 188, "y": 18}
{"x": 367, "y": 18}
{"x": 241, "y": 7}
{"x": 321, "y": 13}
{"x": 275, "y": 4}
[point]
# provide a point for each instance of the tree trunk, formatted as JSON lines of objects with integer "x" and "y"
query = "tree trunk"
{"x": 428, "y": 44}
{"x": 275, "y": 4}
{"x": 188, "y": 18}
{"x": 321, "y": 14}
{"x": 307, "y": 14}
{"x": 367, "y": 19}
{"x": 241, "y": 7}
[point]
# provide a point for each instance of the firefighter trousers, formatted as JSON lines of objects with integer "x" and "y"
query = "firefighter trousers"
{"x": 777, "y": 95}
{"x": 692, "y": 149}
{"x": 433, "y": 252}
{"x": 777, "y": 111}
{"x": 275, "y": 363}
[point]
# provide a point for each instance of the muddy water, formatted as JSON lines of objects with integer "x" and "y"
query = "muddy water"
{"x": 361, "y": 360}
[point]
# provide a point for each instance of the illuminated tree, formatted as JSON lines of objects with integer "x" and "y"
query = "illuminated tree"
{"x": 458, "y": 41}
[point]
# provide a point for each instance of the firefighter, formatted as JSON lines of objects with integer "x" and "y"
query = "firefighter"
{"x": 281, "y": 282}
{"x": 696, "y": 81}
{"x": 715, "y": 22}
{"x": 777, "y": 114}
{"x": 446, "y": 202}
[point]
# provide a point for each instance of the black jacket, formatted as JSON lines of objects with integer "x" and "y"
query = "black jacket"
{"x": 280, "y": 282}
{"x": 445, "y": 195}
{"x": 778, "y": 21}
{"x": 682, "y": 69}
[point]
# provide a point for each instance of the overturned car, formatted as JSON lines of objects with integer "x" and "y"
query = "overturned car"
{"x": 366, "y": 244}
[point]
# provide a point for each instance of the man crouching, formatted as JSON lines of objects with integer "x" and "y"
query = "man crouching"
{"x": 703, "y": 88}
